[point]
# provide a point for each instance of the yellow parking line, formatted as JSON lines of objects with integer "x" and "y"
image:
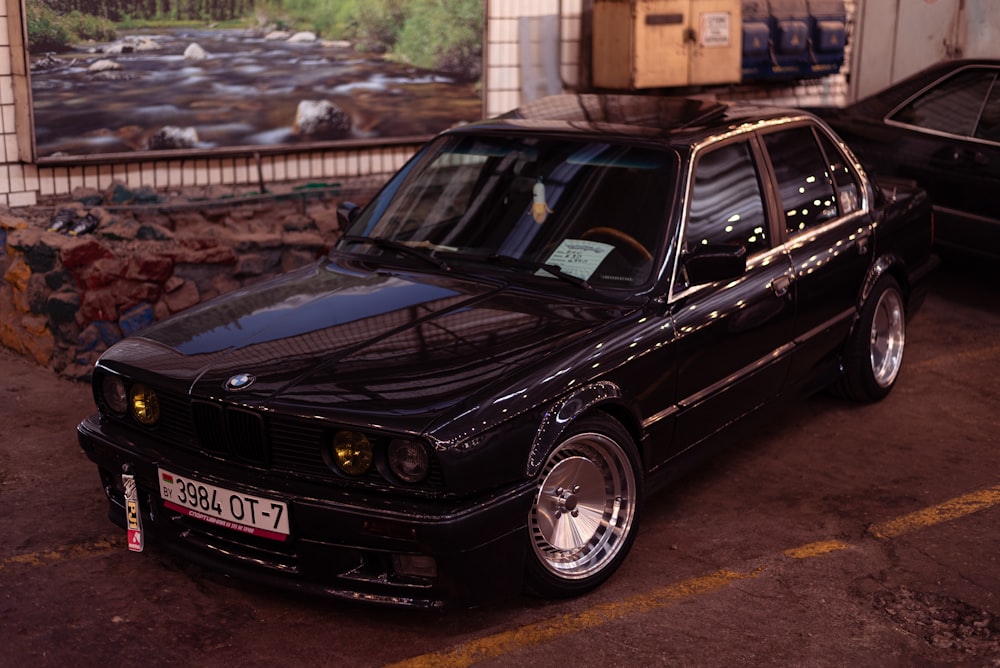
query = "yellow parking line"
{"x": 79, "y": 550}
{"x": 505, "y": 642}
{"x": 500, "y": 644}
{"x": 815, "y": 549}
{"x": 942, "y": 512}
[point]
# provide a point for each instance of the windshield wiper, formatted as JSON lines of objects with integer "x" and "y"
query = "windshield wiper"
{"x": 403, "y": 248}
{"x": 554, "y": 269}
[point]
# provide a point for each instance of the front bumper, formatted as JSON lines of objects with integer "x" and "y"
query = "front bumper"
{"x": 342, "y": 544}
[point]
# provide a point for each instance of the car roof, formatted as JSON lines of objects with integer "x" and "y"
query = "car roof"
{"x": 675, "y": 120}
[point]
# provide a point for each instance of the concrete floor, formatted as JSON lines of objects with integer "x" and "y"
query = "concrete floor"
{"x": 835, "y": 535}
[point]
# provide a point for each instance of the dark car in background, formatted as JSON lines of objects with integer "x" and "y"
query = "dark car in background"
{"x": 941, "y": 128}
{"x": 538, "y": 321}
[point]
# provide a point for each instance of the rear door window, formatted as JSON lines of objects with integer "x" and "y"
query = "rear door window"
{"x": 804, "y": 180}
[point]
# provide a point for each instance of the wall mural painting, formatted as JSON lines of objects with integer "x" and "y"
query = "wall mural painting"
{"x": 119, "y": 76}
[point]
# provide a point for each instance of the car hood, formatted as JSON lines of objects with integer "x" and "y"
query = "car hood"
{"x": 399, "y": 350}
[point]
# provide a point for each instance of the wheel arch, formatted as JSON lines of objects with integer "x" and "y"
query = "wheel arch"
{"x": 889, "y": 264}
{"x": 602, "y": 396}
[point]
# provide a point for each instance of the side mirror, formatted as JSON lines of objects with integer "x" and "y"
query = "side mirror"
{"x": 347, "y": 213}
{"x": 715, "y": 262}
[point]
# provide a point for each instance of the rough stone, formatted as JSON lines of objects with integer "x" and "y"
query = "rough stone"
{"x": 39, "y": 342}
{"x": 188, "y": 221}
{"x": 185, "y": 296}
{"x": 58, "y": 278}
{"x": 310, "y": 241}
{"x": 18, "y": 273}
{"x": 129, "y": 293}
{"x": 103, "y": 271}
{"x": 224, "y": 283}
{"x": 254, "y": 242}
{"x": 256, "y": 264}
{"x": 120, "y": 230}
{"x": 41, "y": 257}
{"x": 67, "y": 332}
{"x": 136, "y": 319}
{"x": 160, "y": 310}
{"x": 83, "y": 252}
{"x": 65, "y": 298}
{"x": 36, "y": 293}
{"x": 63, "y": 305}
{"x": 97, "y": 304}
{"x": 149, "y": 267}
{"x": 201, "y": 256}
{"x": 298, "y": 222}
{"x": 87, "y": 196}
{"x": 153, "y": 232}
{"x": 173, "y": 283}
{"x": 294, "y": 258}
{"x": 98, "y": 335}
{"x": 24, "y": 239}
{"x": 327, "y": 223}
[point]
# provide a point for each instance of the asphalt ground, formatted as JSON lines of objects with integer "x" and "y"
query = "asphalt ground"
{"x": 835, "y": 534}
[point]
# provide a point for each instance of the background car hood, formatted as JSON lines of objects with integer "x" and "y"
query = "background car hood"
{"x": 358, "y": 345}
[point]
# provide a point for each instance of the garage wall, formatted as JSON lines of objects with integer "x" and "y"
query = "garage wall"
{"x": 921, "y": 33}
{"x": 523, "y": 35}
{"x": 531, "y": 48}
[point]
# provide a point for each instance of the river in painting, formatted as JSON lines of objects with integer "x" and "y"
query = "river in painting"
{"x": 245, "y": 92}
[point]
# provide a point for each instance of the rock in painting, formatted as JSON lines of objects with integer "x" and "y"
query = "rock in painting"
{"x": 321, "y": 119}
{"x": 172, "y": 137}
{"x": 194, "y": 51}
{"x": 103, "y": 65}
{"x": 302, "y": 37}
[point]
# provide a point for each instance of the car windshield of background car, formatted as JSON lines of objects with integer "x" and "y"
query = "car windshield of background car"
{"x": 596, "y": 210}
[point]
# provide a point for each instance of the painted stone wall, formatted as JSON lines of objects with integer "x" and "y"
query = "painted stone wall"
{"x": 65, "y": 298}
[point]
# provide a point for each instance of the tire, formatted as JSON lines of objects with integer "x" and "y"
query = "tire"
{"x": 874, "y": 352}
{"x": 584, "y": 517}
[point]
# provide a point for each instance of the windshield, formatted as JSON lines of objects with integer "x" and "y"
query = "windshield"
{"x": 593, "y": 213}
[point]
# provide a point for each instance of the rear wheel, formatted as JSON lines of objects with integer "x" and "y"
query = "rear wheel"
{"x": 586, "y": 510}
{"x": 874, "y": 353}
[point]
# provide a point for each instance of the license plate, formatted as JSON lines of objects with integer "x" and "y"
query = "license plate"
{"x": 225, "y": 508}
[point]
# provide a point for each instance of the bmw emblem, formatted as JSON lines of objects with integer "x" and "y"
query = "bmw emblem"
{"x": 240, "y": 381}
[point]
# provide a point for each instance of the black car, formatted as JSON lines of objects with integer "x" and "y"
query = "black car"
{"x": 941, "y": 128}
{"x": 538, "y": 321}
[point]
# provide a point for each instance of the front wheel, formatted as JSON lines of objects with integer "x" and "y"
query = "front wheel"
{"x": 586, "y": 510}
{"x": 874, "y": 353}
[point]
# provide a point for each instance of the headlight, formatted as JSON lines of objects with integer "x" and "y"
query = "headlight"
{"x": 145, "y": 405}
{"x": 114, "y": 394}
{"x": 352, "y": 452}
{"x": 408, "y": 460}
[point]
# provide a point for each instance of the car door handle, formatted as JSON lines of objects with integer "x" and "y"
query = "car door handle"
{"x": 780, "y": 285}
{"x": 862, "y": 239}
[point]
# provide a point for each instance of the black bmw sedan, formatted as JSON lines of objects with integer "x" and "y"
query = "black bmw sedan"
{"x": 541, "y": 319}
{"x": 941, "y": 128}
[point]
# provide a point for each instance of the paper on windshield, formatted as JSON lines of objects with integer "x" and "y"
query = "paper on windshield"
{"x": 579, "y": 257}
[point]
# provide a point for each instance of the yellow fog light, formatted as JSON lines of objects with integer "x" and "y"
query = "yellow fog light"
{"x": 352, "y": 452}
{"x": 145, "y": 405}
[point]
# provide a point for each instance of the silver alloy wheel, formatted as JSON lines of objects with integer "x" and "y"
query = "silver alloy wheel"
{"x": 888, "y": 336}
{"x": 584, "y": 507}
